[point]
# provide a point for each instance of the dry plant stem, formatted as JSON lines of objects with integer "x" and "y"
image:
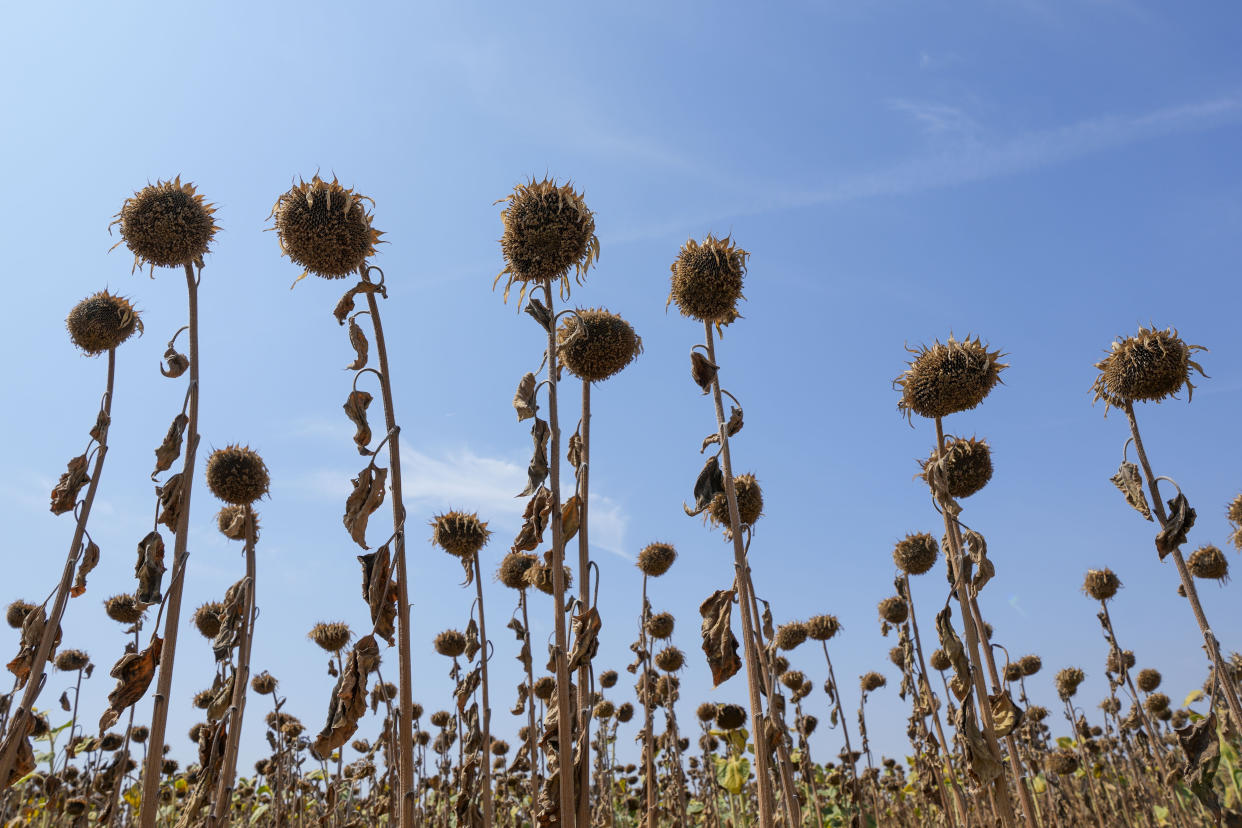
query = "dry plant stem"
{"x": 222, "y": 806}
{"x": 925, "y": 686}
{"x": 530, "y": 713}
{"x": 1000, "y": 791}
{"x": 1085, "y": 763}
{"x": 34, "y": 682}
{"x": 649, "y": 772}
{"x": 584, "y": 596}
{"x": 564, "y": 721}
{"x": 1188, "y": 584}
{"x": 1156, "y": 745}
{"x": 154, "y": 770}
{"x": 753, "y": 679}
{"x": 487, "y": 707}
{"x": 404, "y": 633}
{"x": 848, "y": 762}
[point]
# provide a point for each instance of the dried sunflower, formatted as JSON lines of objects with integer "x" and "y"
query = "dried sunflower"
{"x": 595, "y": 344}
{"x": 237, "y": 475}
{"x": 1149, "y": 366}
{"x": 325, "y": 228}
{"x": 548, "y": 230}
{"x": 101, "y": 322}
{"x": 167, "y": 224}
{"x": 707, "y": 279}
{"x": 947, "y": 378}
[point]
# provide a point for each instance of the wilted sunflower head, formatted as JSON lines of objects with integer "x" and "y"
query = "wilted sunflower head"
{"x": 513, "y": 567}
{"x": 1209, "y": 563}
{"x": 608, "y": 679}
{"x": 966, "y": 464}
{"x": 207, "y": 619}
{"x": 548, "y": 230}
{"x": 1148, "y": 679}
{"x": 1156, "y": 703}
{"x": 167, "y": 224}
{"x": 264, "y": 683}
{"x": 544, "y": 687}
{"x": 944, "y": 379}
{"x": 1030, "y": 664}
{"x": 656, "y": 558}
{"x": 450, "y": 643}
{"x": 670, "y": 659}
{"x": 1067, "y": 681}
{"x": 1149, "y": 366}
{"x": 707, "y": 279}
{"x": 730, "y": 716}
{"x": 231, "y": 521}
{"x": 822, "y": 627}
{"x": 124, "y": 609}
{"x": 660, "y": 625}
{"x": 236, "y": 474}
{"x": 894, "y": 610}
{"x": 625, "y": 712}
{"x": 940, "y": 660}
{"x": 542, "y": 577}
{"x": 101, "y": 322}
{"x": 788, "y": 636}
{"x": 749, "y": 503}
{"x": 595, "y": 344}
{"x": 915, "y": 554}
{"x": 1062, "y": 762}
{"x": 324, "y": 228}
{"x": 16, "y": 613}
{"x": 69, "y": 661}
{"x": 604, "y": 709}
{"x": 1101, "y": 584}
{"x": 872, "y": 681}
{"x": 460, "y": 534}
{"x": 330, "y": 636}
{"x": 1234, "y": 513}
{"x": 1114, "y": 662}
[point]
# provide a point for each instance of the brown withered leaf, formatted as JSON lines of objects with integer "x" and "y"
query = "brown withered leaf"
{"x": 539, "y": 312}
{"x": 985, "y": 764}
{"x": 231, "y": 613}
{"x": 520, "y": 705}
{"x": 1130, "y": 484}
{"x": 1173, "y": 533}
{"x": 983, "y": 569}
{"x": 356, "y": 405}
{"x": 733, "y": 426}
{"x": 358, "y": 341}
{"x": 64, "y": 701}
{"x": 170, "y": 449}
{"x": 24, "y": 762}
{"x": 380, "y": 592}
{"x": 170, "y": 502}
{"x": 702, "y": 371}
{"x": 99, "y": 431}
{"x": 585, "y": 628}
{"x": 537, "y": 470}
{"x": 1201, "y": 747}
{"x": 719, "y": 643}
{"x": 709, "y": 483}
{"x": 570, "y": 518}
{"x": 177, "y": 363}
{"x": 222, "y": 697}
{"x": 149, "y": 570}
{"x": 32, "y": 634}
{"x": 472, "y": 640}
{"x": 65, "y": 494}
{"x": 466, "y": 686}
{"x": 524, "y": 398}
{"x": 133, "y": 673}
{"x": 520, "y": 632}
{"x": 367, "y": 496}
{"x": 349, "y": 698}
{"x": 534, "y": 521}
{"x": 1006, "y": 715}
{"x": 952, "y": 646}
{"x": 88, "y": 561}
{"x": 346, "y": 305}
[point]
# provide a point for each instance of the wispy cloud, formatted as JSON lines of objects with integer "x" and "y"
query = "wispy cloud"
{"x": 936, "y": 118}
{"x": 972, "y": 162}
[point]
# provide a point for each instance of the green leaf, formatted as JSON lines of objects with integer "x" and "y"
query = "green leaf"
{"x": 732, "y": 773}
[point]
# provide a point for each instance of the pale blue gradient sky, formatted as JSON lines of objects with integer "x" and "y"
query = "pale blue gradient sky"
{"x": 1045, "y": 175}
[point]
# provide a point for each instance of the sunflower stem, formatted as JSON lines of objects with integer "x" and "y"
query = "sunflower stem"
{"x": 584, "y": 598}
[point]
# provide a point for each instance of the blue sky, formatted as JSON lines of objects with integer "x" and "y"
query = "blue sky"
{"x": 1045, "y": 175}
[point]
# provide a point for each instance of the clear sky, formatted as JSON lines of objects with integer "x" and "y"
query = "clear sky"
{"x": 1045, "y": 175}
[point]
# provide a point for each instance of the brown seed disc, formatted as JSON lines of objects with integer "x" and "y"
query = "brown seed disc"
{"x": 325, "y": 228}
{"x": 595, "y": 344}
{"x": 237, "y": 475}
{"x": 167, "y": 224}
{"x": 946, "y": 378}
{"x": 707, "y": 279}
{"x": 101, "y": 322}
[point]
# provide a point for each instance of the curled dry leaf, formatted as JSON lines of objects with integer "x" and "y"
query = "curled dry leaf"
{"x": 356, "y": 405}
{"x": 534, "y": 521}
{"x": 983, "y": 569}
{"x": 540, "y": 313}
{"x": 952, "y": 646}
{"x": 358, "y": 340}
{"x": 585, "y": 628}
{"x": 32, "y": 635}
{"x": 99, "y": 431}
{"x": 1201, "y": 746}
{"x": 466, "y": 686}
{"x": 524, "y": 398}
{"x": 472, "y": 640}
{"x": 985, "y": 764}
{"x": 24, "y": 763}
{"x": 346, "y": 305}
{"x": 709, "y": 483}
{"x": 732, "y": 427}
{"x": 379, "y": 590}
{"x": 520, "y": 705}
{"x": 170, "y": 502}
{"x": 170, "y": 449}
{"x": 64, "y": 701}
{"x": 149, "y": 570}
{"x": 719, "y": 643}
{"x": 571, "y": 518}
{"x": 537, "y": 470}
{"x": 65, "y": 494}
{"x": 177, "y": 362}
{"x": 349, "y": 698}
{"x": 222, "y": 697}
{"x": 88, "y": 561}
{"x": 1006, "y": 715}
{"x": 366, "y": 497}
{"x": 702, "y": 370}
{"x": 133, "y": 673}
{"x": 1130, "y": 484}
{"x": 230, "y": 614}
{"x": 1173, "y": 533}
{"x": 524, "y": 654}
{"x": 574, "y": 453}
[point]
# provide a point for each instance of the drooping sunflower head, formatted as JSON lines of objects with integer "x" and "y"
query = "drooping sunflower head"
{"x": 966, "y": 466}
{"x": 101, "y": 322}
{"x": 916, "y": 554}
{"x": 822, "y": 627}
{"x": 894, "y": 610}
{"x": 1067, "y": 681}
{"x": 1149, "y": 366}
{"x": 513, "y": 567}
{"x": 1101, "y": 584}
{"x": 656, "y": 558}
{"x": 790, "y": 635}
{"x": 872, "y": 681}
{"x": 330, "y": 636}
{"x": 450, "y": 643}
{"x": 1209, "y": 563}
{"x": 167, "y": 224}
{"x": 707, "y": 279}
{"x": 749, "y": 503}
{"x": 548, "y": 231}
{"x": 237, "y": 475}
{"x": 460, "y": 534}
{"x": 595, "y": 344}
{"x": 946, "y": 378}
{"x": 325, "y": 228}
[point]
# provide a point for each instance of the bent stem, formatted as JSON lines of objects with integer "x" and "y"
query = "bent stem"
{"x": 22, "y": 721}
{"x": 222, "y": 806}
{"x": 487, "y": 707}
{"x": 1188, "y": 584}
{"x": 153, "y": 772}
{"x": 753, "y": 679}
{"x": 404, "y": 633}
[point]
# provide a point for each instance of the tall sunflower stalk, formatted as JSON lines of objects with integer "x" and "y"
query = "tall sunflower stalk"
{"x": 326, "y": 229}
{"x": 97, "y": 325}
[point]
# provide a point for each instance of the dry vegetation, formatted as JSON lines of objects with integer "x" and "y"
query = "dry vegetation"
{"x": 981, "y": 751}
